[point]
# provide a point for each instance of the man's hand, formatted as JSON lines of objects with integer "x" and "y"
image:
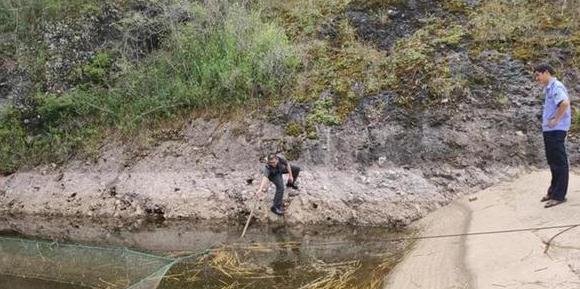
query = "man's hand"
{"x": 263, "y": 188}
{"x": 552, "y": 122}
{"x": 290, "y": 180}
{"x": 260, "y": 195}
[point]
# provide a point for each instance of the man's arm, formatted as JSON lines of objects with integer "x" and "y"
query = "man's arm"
{"x": 288, "y": 167}
{"x": 263, "y": 183}
{"x": 290, "y": 177}
{"x": 562, "y": 107}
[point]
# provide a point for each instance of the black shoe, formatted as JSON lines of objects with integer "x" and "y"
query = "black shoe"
{"x": 277, "y": 211}
{"x": 292, "y": 185}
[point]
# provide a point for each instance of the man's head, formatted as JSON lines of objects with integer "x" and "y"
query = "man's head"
{"x": 272, "y": 160}
{"x": 543, "y": 73}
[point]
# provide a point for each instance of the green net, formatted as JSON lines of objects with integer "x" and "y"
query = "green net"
{"x": 152, "y": 281}
{"x": 283, "y": 264}
{"x": 83, "y": 266}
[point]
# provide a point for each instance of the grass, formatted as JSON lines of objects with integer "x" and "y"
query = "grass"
{"x": 22, "y": 25}
{"x": 227, "y": 55}
{"x": 302, "y": 19}
{"x": 24, "y": 18}
{"x": 525, "y": 28}
{"x": 234, "y": 267}
{"x": 12, "y": 141}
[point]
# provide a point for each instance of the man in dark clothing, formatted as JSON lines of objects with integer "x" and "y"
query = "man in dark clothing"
{"x": 277, "y": 166}
{"x": 556, "y": 120}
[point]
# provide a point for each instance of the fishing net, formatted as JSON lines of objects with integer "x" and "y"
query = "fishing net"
{"x": 344, "y": 264}
{"x": 83, "y": 266}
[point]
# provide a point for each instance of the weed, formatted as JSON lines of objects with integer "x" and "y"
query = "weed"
{"x": 294, "y": 129}
{"x": 525, "y": 28}
{"x": 98, "y": 70}
{"x": 223, "y": 57}
{"x": 324, "y": 112}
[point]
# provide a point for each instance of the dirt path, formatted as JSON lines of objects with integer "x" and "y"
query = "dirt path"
{"x": 511, "y": 260}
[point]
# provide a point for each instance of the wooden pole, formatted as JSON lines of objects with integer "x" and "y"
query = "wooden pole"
{"x": 248, "y": 221}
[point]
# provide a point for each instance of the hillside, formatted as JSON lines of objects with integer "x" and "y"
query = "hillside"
{"x": 134, "y": 108}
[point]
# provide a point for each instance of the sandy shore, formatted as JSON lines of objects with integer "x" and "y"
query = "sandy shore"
{"x": 510, "y": 260}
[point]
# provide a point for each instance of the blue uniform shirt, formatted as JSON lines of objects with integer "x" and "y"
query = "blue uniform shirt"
{"x": 555, "y": 93}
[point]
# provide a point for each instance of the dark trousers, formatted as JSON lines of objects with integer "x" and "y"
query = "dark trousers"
{"x": 554, "y": 142}
{"x": 278, "y": 180}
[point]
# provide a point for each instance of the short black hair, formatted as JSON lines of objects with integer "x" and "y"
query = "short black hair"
{"x": 543, "y": 67}
{"x": 271, "y": 157}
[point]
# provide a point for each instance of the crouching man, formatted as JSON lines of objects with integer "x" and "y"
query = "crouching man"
{"x": 275, "y": 167}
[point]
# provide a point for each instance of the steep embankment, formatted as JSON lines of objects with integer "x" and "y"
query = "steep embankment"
{"x": 391, "y": 109}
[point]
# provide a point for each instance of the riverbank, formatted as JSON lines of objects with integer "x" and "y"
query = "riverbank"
{"x": 510, "y": 260}
{"x": 168, "y": 188}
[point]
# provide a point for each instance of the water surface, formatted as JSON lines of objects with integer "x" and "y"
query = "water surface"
{"x": 208, "y": 255}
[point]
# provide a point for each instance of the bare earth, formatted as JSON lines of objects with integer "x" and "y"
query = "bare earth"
{"x": 510, "y": 260}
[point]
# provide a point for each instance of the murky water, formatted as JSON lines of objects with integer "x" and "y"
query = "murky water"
{"x": 270, "y": 256}
{"x": 7, "y": 282}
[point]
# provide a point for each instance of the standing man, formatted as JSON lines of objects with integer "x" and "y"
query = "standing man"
{"x": 277, "y": 166}
{"x": 556, "y": 119}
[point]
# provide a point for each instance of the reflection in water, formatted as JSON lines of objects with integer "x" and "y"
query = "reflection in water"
{"x": 285, "y": 258}
{"x": 271, "y": 256}
{"x": 288, "y": 254}
{"x": 10, "y": 282}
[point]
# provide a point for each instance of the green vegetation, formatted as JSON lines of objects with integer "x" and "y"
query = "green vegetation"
{"x": 223, "y": 58}
{"x": 21, "y": 27}
{"x": 324, "y": 112}
{"x": 98, "y": 70}
{"x": 12, "y": 141}
{"x": 377, "y": 4}
{"x": 416, "y": 69}
{"x": 300, "y": 18}
{"x": 165, "y": 59}
{"x": 24, "y": 18}
{"x": 456, "y": 6}
{"x": 294, "y": 129}
{"x": 525, "y": 28}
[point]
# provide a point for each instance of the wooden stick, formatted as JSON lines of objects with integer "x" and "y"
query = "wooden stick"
{"x": 248, "y": 221}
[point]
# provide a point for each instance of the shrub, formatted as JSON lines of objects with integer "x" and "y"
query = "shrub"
{"x": 324, "y": 112}
{"x": 12, "y": 141}
{"x": 294, "y": 129}
{"x": 98, "y": 69}
{"x": 224, "y": 56}
{"x": 219, "y": 59}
